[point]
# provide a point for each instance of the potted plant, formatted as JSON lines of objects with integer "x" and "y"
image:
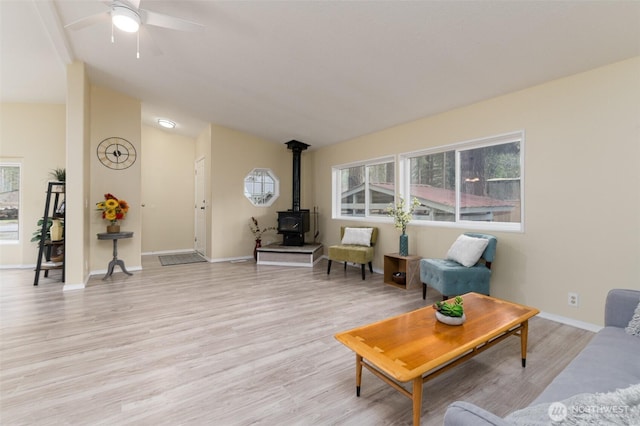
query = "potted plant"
{"x": 57, "y": 179}
{"x": 113, "y": 210}
{"x": 58, "y": 174}
{"x": 257, "y": 234}
{"x": 37, "y": 235}
{"x": 451, "y": 313}
{"x": 52, "y": 237}
{"x": 401, "y": 217}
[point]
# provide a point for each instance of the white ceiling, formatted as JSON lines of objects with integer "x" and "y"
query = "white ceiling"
{"x": 318, "y": 71}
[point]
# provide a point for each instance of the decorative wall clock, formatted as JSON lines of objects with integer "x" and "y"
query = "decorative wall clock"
{"x": 116, "y": 153}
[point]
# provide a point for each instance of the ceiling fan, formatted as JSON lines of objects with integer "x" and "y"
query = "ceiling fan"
{"x": 128, "y": 16}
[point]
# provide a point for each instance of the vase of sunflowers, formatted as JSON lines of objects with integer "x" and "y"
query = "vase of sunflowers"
{"x": 113, "y": 210}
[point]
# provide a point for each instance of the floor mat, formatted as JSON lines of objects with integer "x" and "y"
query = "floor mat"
{"x": 180, "y": 259}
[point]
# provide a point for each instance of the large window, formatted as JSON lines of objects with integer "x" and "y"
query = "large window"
{"x": 477, "y": 184}
{"x": 363, "y": 190}
{"x": 9, "y": 202}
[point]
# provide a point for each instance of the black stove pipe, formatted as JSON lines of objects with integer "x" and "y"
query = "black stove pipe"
{"x": 296, "y": 147}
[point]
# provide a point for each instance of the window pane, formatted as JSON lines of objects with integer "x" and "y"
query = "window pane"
{"x": 381, "y": 187}
{"x": 9, "y": 202}
{"x": 433, "y": 181}
{"x": 490, "y": 183}
{"x": 352, "y": 197}
{"x": 261, "y": 187}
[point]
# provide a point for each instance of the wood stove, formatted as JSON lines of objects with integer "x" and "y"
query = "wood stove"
{"x": 293, "y": 223}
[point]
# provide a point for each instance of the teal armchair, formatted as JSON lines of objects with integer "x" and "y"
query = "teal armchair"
{"x": 451, "y": 278}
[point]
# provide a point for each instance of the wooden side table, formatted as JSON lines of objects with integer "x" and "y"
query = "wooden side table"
{"x": 410, "y": 265}
{"x": 115, "y": 261}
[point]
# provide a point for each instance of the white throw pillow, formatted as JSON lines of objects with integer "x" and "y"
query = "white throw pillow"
{"x": 619, "y": 407}
{"x": 467, "y": 250}
{"x": 357, "y": 236}
{"x": 633, "y": 328}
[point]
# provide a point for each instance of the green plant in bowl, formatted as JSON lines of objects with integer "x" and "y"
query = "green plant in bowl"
{"x": 450, "y": 309}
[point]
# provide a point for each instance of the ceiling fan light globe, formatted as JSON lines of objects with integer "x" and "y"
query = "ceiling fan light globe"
{"x": 125, "y": 19}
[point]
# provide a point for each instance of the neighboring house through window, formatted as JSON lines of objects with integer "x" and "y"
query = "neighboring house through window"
{"x": 476, "y": 184}
{"x": 363, "y": 189}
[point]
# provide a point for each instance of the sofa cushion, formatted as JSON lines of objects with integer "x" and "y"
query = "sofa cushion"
{"x": 619, "y": 307}
{"x": 619, "y": 407}
{"x": 467, "y": 250}
{"x": 357, "y": 236}
{"x": 351, "y": 253}
{"x": 607, "y": 363}
{"x": 634, "y": 325}
{"x": 461, "y": 413}
{"x": 438, "y": 272}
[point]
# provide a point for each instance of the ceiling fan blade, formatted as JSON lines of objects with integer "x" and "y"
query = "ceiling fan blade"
{"x": 87, "y": 21}
{"x": 166, "y": 21}
{"x": 133, "y": 3}
{"x": 130, "y": 4}
{"x": 147, "y": 42}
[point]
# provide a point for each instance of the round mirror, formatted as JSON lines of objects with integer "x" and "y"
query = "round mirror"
{"x": 261, "y": 187}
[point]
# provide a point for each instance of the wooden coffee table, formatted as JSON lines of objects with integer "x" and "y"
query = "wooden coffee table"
{"x": 416, "y": 347}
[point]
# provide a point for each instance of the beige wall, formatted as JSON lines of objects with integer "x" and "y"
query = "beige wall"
{"x": 167, "y": 191}
{"x": 229, "y": 156}
{"x": 582, "y": 232}
{"x": 114, "y": 114}
{"x": 33, "y": 135}
{"x": 78, "y": 176}
{"x": 233, "y": 155}
{"x": 582, "y": 204}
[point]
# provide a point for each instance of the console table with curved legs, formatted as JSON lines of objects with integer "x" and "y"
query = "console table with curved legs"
{"x": 115, "y": 261}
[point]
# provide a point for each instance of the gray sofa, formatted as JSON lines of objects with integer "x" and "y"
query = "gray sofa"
{"x": 609, "y": 362}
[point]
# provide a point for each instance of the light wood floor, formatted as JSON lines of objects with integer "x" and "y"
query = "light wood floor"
{"x": 232, "y": 344}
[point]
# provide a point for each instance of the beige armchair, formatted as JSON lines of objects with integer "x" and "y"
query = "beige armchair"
{"x": 356, "y": 246}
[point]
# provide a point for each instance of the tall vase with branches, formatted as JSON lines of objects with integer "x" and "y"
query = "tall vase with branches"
{"x": 401, "y": 218}
{"x": 257, "y": 232}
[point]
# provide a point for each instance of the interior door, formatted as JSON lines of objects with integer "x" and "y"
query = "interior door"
{"x": 200, "y": 209}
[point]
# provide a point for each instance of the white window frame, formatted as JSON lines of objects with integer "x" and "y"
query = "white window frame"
{"x": 21, "y": 228}
{"x": 253, "y": 197}
{"x": 405, "y": 179}
{"x": 336, "y": 189}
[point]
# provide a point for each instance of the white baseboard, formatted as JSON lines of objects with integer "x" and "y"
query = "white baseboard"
{"x": 161, "y": 252}
{"x": 33, "y": 266}
{"x": 115, "y": 270}
{"x": 231, "y": 259}
{"x": 70, "y": 287}
{"x": 557, "y": 318}
{"x": 569, "y": 321}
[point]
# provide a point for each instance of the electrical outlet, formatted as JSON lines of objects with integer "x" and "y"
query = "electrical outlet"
{"x": 573, "y": 300}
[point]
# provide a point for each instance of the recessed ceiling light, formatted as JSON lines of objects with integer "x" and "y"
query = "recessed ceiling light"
{"x": 125, "y": 19}
{"x": 166, "y": 123}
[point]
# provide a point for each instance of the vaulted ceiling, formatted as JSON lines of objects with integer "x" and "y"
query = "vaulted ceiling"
{"x": 317, "y": 71}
